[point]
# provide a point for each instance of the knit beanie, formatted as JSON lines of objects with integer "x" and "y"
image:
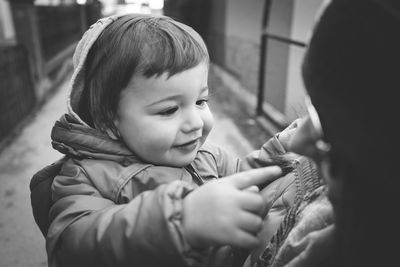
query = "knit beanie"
{"x": 351, "y": 71}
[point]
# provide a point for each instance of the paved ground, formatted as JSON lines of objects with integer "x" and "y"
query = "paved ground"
{"x": 21, "y": 243}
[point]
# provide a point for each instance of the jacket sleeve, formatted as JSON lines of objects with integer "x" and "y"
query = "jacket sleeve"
{"x": 265, "y": 156}
{"x": 89, "y": 230}
{"x": 279, "y": 194}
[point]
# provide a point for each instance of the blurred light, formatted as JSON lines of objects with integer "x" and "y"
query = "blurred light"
{"x": 81, "y": 2}
{"x": 156, "y": 4}
{"x": 131, "y": 8}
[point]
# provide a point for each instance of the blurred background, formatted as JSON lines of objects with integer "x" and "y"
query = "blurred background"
{"x": 256, "y": 48}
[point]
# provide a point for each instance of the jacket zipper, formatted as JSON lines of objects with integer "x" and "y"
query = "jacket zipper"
{"x": 196, "y": 177}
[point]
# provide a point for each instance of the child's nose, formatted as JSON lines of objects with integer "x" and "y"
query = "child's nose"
{"x": 193, "y": 121}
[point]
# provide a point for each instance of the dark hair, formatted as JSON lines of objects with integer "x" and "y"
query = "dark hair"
{"x": 134, "y": 44}
{"x": 351, "y": 72}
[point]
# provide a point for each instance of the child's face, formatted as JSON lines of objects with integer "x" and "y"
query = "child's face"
{"x": 165, "y": 121}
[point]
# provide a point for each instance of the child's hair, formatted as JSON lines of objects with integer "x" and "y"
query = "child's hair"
{"x": 134, "y": 44}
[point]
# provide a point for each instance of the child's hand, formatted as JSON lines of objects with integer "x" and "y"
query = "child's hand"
{"x": 225, "y": 211}
{"x": 286, "y": 135}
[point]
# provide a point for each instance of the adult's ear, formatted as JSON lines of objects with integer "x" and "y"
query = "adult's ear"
{"x": 305, "y": 141}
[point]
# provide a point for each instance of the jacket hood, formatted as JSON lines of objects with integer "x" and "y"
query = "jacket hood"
{"x": 76, "y": 85}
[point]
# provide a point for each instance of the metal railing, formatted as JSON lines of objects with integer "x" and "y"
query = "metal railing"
{"x": 265, "y": 36}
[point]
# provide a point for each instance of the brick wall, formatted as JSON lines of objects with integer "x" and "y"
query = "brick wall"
{"x": 17, "y": 97}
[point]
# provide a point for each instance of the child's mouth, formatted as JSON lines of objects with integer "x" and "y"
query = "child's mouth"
{"x": 189, "y": 146}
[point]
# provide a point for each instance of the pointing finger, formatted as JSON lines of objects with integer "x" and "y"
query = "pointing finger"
{"x": 253, "y": 189}
{"x": 257, "y": 176}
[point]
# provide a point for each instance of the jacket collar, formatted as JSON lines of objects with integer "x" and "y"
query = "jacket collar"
{"x": 71, "y": 137}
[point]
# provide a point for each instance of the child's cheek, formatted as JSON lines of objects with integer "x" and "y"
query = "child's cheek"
{"x": 208, "y": 124}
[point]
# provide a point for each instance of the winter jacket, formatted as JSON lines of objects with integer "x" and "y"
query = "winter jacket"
{"x": 109, "y": 204}
{"x": 111, "y": 209}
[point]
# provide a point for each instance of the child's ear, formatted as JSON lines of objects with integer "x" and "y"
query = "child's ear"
{"x": 114, "y": 135}
{"x": 111, "y": 134}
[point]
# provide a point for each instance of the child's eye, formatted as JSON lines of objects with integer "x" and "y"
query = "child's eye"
{"x": 202, "y": 102}
{"x": 168, "y": 111}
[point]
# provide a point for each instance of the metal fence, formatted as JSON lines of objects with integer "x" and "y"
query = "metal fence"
{"x": 43, "y": 34}
{"x": 59, "y": 27}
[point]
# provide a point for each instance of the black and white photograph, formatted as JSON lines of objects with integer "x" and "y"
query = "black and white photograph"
{"x": 199, "y": 133}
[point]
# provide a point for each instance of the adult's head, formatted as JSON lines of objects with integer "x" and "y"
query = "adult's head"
{"x": 352, "y": 74}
